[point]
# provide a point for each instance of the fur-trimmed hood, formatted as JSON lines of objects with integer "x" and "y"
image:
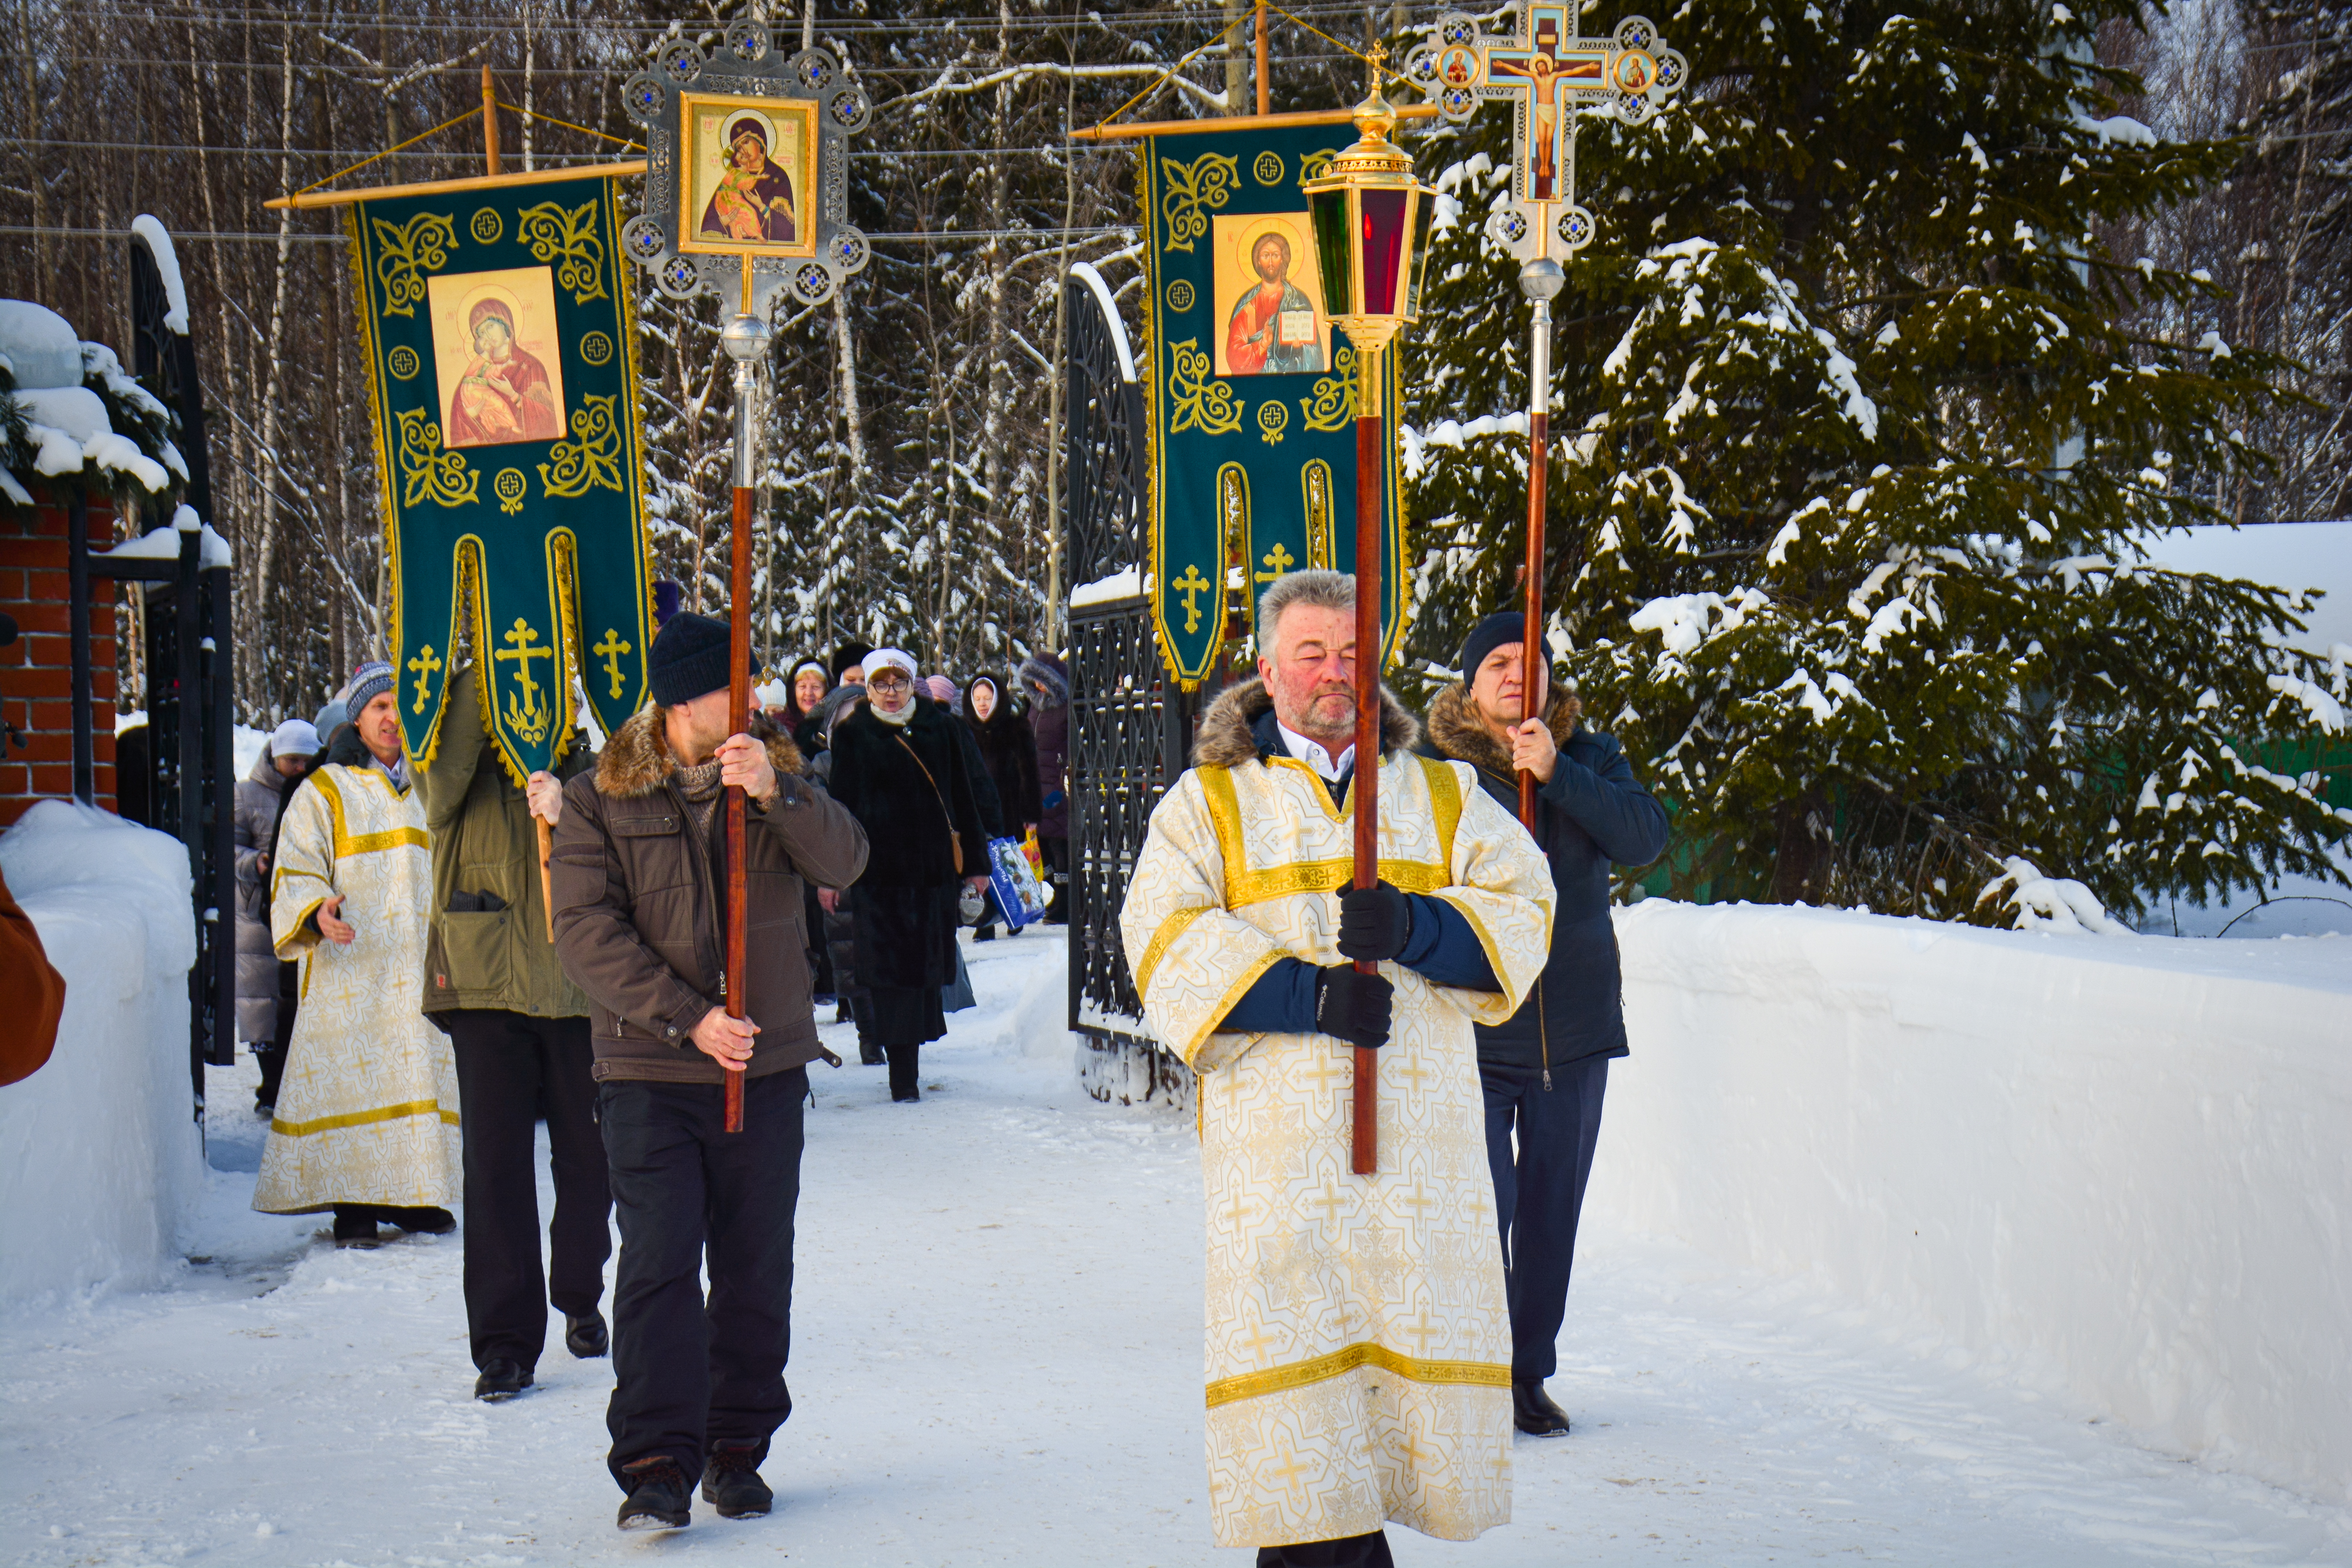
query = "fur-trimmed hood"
{"x": 638, "y": 759}
{"x": 1226, "y": 741}
{"x": 1456, "y": 732}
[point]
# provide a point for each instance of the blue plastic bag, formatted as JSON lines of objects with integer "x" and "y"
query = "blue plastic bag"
{"x": 1018, "y": 896}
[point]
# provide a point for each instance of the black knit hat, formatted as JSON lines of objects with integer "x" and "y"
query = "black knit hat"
{"x": 690, "y": 658}
{"x": 849, "y": 655}
{"x": 1503, "y": 627}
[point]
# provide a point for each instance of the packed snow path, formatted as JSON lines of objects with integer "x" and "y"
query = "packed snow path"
{"x": 997, "y": 1360}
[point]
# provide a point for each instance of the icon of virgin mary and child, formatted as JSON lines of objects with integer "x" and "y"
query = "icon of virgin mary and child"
{"x": 755, "y": 198}
{"x": 505, "y": 394}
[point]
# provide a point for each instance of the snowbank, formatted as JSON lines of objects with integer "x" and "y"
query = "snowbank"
{"x": 2117, "y": 1170}
{"x": 97, "y": 1150}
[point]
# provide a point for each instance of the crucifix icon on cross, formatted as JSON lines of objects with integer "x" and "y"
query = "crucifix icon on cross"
{"x": 1549, "y": 73}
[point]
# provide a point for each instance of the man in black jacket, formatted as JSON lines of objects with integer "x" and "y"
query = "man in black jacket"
{"x": 1545, "y": 1071}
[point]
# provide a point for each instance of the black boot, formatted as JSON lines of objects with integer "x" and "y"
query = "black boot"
{"x": 905, "y": 1086}
{"x": 426, "y": 1221}
{"x": 586, "y": 1336}
{"x": 501, "y": 1380}
{"x": 869, "y": 1053}
{"x": 1533, "y": 1412}
{"x": 731, "y": 1484}
{"x": 355, "y": 1226}
{"x": 658, "y": 1497}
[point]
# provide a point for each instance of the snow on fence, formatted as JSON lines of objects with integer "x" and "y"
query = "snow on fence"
{"x": 2115, "y": 1168}
{"x": 97, "y": 1150}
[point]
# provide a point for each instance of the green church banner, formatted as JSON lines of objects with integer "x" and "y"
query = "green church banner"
{"x": 502, "y": 353}
{"x": 1252, "y": 391}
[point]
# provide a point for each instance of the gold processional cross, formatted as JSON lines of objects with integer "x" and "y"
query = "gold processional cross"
{"x": 1548, "y": 72}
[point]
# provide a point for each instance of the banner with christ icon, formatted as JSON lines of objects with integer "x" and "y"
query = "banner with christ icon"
{"x": 500, "y": 339}
{"x": 1250, "y": 388}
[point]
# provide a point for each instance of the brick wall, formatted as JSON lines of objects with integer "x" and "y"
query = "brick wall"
{"x": 37, "y": 671}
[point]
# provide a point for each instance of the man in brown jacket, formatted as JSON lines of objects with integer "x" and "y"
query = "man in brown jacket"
{"x": 640, "y": 882}
{"x": 519, "y": 1028}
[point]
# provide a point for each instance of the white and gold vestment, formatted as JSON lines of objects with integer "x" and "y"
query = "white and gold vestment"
{"x": 368, "y": 1109}
{"x": 1358, "y": 1342}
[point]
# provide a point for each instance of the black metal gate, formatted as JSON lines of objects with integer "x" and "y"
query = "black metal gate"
{"x": 1130, "y": 728}
{"x": 188, "y": 787}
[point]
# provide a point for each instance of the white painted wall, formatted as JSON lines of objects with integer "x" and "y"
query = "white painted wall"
{"x": 2115, "y": 1168}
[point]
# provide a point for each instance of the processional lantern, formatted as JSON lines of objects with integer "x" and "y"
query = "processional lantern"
{"x": 1371, "y": 218}
{"x": 747, "y": 187}
{"x": 1552, "y": 76}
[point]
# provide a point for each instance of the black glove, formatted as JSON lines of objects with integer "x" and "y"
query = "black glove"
{"x": 1375, "y": 922}
{"x": 1353, "y": 1006}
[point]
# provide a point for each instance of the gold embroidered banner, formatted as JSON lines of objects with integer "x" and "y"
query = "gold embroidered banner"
{"x": 1252, "y": 389}
{"x": 501, "y": 351}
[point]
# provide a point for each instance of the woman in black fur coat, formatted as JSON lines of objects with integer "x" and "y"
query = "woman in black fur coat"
{"x": 898, "y": 765}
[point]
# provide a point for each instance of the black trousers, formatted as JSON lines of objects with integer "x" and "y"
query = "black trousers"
{"x": 272, "y": 1058}
{"x": 1348, "y": 1551}
{"x": 512, "y": 1068}
{"x": 693, "y": 1373}
{"x": 1538, "y": 1194}
{"x": 1055, "y": 853}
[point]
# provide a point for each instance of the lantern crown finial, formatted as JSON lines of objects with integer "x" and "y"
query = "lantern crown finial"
{"x": 1373, "y": 152}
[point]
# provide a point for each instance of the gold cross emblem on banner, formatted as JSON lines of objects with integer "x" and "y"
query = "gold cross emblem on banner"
{"x": 425, "y": 664}
{"x": 525, "y": 712}
{"x": 1191, "y": 585}
{"x": 1278, "y": 561}
{"x": 610, "y": 650}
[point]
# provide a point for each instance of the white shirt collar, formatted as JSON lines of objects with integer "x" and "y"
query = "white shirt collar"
{"x": 1315, "y": 757}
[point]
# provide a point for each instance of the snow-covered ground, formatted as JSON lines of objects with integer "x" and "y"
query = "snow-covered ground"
{"x": 998, "y": 1361}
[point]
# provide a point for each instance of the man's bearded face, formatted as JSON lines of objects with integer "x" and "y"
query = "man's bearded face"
{"x": 1311, "y": 672}
{"x": 1269, "y": 260}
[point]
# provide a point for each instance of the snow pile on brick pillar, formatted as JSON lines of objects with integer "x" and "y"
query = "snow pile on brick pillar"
{"x": 2116, "y": 1171}
{"x": 97, "y": 1150}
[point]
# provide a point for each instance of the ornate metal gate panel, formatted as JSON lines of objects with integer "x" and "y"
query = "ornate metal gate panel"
{"x": 1130, "y": 727}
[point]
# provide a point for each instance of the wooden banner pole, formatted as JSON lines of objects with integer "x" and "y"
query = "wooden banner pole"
{"x": 745, "y": 341}
{"x": 1540, "y": 280}
{"x": 489, "y": 123}
{"x": 1264, "y": 85}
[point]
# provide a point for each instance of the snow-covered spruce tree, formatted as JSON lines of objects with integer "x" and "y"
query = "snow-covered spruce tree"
{"x": 1851, "y": 461}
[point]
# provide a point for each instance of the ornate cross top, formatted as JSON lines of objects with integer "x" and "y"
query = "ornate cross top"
{"x": 1549, "y": 73}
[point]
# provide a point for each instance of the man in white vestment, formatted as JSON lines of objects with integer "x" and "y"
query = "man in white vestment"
{"x": 1359, "y": 1343}
{"x": 366, "y": 1123}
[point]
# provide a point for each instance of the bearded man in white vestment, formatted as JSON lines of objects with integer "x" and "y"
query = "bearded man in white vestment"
{"x": 1358, "y": 1340}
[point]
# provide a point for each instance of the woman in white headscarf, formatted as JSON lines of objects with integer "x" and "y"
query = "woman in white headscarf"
{"x": 898, "y": 765}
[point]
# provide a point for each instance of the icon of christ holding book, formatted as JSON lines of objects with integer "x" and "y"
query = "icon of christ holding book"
{"x": 1273, "y": 327}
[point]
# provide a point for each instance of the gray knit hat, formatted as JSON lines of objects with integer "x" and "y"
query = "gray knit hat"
{"x": 369, "y": 681}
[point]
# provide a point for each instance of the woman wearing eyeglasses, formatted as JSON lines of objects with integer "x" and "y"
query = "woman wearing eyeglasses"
{"x": 898, "y": 766}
